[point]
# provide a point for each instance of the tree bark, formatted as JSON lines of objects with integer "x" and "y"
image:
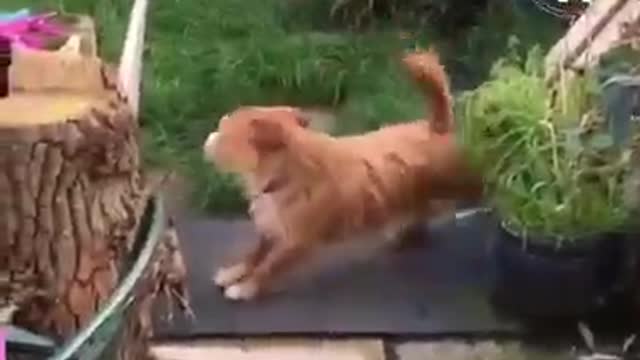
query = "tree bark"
{"x": 70, "y": 191}
{"x": 71, "y": 196}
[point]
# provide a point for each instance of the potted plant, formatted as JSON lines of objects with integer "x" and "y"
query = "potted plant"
{"x": 556, "y": 179}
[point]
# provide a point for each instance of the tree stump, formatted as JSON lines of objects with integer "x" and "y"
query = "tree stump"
{"x": 71, "y": 197}
{"x": 70, "y": 186}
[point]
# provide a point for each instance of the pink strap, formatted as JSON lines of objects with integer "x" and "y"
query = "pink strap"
{"x": 3, "y": 344}
{"x": 31, "y": 31}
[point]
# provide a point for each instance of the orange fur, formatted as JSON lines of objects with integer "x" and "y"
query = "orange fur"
{"x": 309, "y": 189}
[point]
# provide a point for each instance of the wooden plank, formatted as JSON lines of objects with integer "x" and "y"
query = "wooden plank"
{"x": 85, "y": 27}
{"x": 73, "y": 67}
{"x": 66, "y": 69}
{"x": 593, "y": 34}
{"x": 610, "y": 36}
{"x": 129, "y": 73}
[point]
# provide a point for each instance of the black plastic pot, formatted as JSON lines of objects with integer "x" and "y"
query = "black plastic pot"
{"x": 541, "y": 280}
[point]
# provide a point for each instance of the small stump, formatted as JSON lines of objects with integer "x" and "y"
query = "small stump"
{"x": 71, "y": 196}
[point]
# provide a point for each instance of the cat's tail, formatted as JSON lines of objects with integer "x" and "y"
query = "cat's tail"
{"x": 425, "y": 68}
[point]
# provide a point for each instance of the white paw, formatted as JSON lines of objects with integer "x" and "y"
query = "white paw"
{"x": 228, "y": 275}
{"x": 245, "y": 290}
{"x": 209, "y": 146}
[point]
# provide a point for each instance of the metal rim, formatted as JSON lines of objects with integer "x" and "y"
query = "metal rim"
{"x": 556, "y": 10}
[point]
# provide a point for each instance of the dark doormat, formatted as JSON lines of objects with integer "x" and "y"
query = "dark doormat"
{"x": 439, "y": 289}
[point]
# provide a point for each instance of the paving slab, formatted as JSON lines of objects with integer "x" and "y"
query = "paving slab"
{"x": 440, "y": 288}
{"x": 297, "y": 349}
{"x": 485, "y": 350}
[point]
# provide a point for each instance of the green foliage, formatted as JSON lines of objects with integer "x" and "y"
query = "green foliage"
{"x": 620, "y": 60}
{"x": 550, "y": 165}
{"x": 227, "y": 58}
{"x": 504, "y": 28}
{"x": 204, "y": 58}
{"x": 444, "y": 15}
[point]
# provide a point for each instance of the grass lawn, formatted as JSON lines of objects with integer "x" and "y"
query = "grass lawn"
{"x": 205, "y": 58}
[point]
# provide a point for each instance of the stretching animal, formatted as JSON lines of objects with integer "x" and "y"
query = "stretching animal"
{"x": 308, "y": 189}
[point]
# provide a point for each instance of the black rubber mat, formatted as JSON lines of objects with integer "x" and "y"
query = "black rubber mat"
{"x": 438, "y": 288}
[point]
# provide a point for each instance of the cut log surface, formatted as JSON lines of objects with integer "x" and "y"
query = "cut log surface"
{"x": 70, "y": 193}
{"x": 29, "y": 109}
